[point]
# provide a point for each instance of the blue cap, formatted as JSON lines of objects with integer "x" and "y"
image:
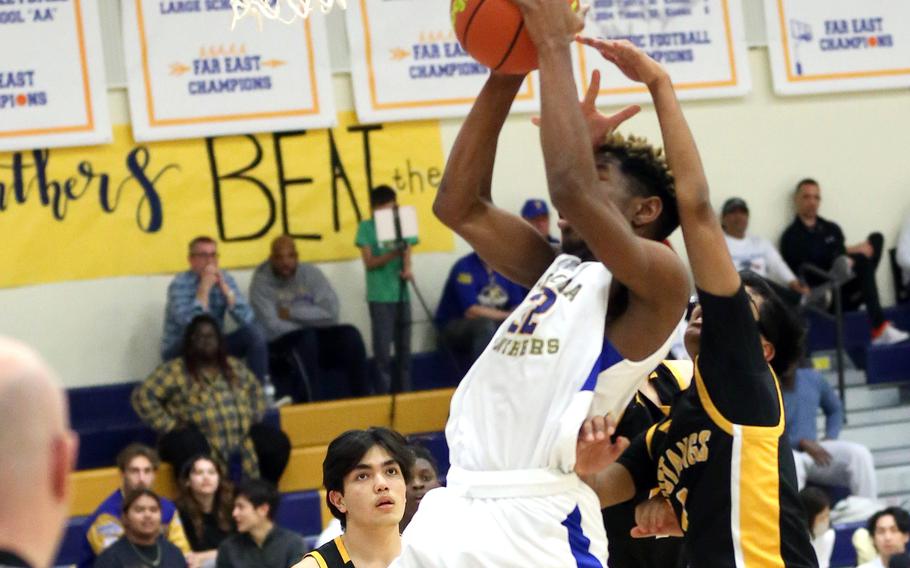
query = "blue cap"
{"x": 534, "y": 208}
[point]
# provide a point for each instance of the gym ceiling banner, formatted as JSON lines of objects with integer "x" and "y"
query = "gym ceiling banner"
{"x": 407, "y": 64}
{"x": 52, "y": 86}
{"x": 131, "y": 208}
{"x": 819, "y": 46}
{"x": 700, "y": 42}
{"x": 191, "y": 75}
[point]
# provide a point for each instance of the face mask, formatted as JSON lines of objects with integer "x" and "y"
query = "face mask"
{"x": 820, "y": 529}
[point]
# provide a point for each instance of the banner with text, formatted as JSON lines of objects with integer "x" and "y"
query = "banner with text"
{"x": 820, "y": 46}
{"x": 700, "y": 42}
{"x": 52, "y": 86}
{"x": 407, "y": 64}
{"x": 190, "y": 75}
{"x": 127, "y": 208}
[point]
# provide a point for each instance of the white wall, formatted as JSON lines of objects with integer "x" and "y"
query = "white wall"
{"x": 107, "y": 331}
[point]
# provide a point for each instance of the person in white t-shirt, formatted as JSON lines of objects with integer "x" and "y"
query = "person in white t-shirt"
{"x": 751, "y": 252}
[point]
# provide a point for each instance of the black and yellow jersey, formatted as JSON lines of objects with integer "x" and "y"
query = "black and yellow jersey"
{"x": 332, "y": 554}
{"x": 666, "y": 382}
{"x": 721, "y": 457}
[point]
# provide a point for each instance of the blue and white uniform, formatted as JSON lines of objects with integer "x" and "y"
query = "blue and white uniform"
{"x": 512, "y": 497}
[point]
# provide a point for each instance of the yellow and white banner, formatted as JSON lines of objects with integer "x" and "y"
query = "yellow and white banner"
{"x": 819, "y": 46}
{"x": 127, "y": 208}
{"x": 701, "y": 43}
{"x": 406, "y": 63}
{"x": 52, "y": 86}
{"x": 190, "y": 75}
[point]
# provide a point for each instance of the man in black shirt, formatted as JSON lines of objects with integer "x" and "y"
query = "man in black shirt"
{"x": 260, "y": 541}
{"x": 142, "y": 544}
{"x": 811, "y": 239}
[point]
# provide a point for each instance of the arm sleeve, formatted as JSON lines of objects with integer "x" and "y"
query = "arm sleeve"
{"x": 903, "y": 248}
{"x": 362, "y": 239}
{"x": 149, "y": 399}
{"x": 221, "y": 559}
{"x": 265, "y": 306}
{"x": 324, "y": 307}
{"x": 241, "y": 312}
{"x": 103, "y": 532}
{"x": 777, "y": 268}
{"x": 831, "y": 406}
{"x": 731, "y": 362}
{"x": 840, "y": 246}
{"x": 176, "y": 535}
{"x": 639, "y": 463}
{"x": 253, "y": 390}
{"x": 182, "y": 305}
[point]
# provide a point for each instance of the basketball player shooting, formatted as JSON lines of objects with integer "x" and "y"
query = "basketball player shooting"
{"x": 597, "y": 320}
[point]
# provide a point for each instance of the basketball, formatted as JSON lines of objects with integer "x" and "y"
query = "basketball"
{"x": 493, "y": 32}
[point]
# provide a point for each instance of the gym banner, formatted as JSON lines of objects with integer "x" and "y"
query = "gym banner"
{"x": 700, "y": 42}
{"x": 52, "y": 86}
{"x": 190, "y": 75}
{"x": 820, "y": 46}
{"x": 415, "y": 70}
{"x": 131, "y": 208}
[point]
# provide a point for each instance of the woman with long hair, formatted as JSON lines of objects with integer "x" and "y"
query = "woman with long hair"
{"x": 207, "y": 402}
{"x": 205, "y": 499}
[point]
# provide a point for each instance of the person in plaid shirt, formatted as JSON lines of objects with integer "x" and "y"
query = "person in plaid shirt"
{"x": 209, "y": 402}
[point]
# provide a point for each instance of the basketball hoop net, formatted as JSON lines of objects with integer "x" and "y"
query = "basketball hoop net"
{"x": 271, "y": 9}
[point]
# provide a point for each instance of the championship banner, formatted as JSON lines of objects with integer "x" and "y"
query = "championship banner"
{"x": 52, "y": 86}
{"x": 701, "y": 43}
{"x": 190, "y": 75}
{"x": 822, "y": 46}
{"x": 406, "y": 63}
{"x": 128, "y": 209}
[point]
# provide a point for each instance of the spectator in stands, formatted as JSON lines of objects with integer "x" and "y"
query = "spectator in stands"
{"x": 207, "y": 402}
{"x": 37, "y": 453}
{"x": 424, "y": 478}
{"x": 259, "y": 541}
{"x": 388, "y": 270}
{"x": 142, "y": 544}
{"x": 536, "y": 212}
{"x": 474, "y": 302}
{"x": 751, "y": 252}
{"x": 205, "y": 289}
{"x": 138, "y": 465}
{"x": 365, "y": 474}
{"x": 811, "y": 239}
{"x": 205, "y": 499}
{"x": 298, "y": 310}
{"x": 818, "y": 520}
{"x": 890, "y": 529}
{"x": 828, "y": 461}
{"x": 903, "y": 252}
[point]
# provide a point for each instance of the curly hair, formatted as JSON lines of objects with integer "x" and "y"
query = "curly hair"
{"x": 646, "y": 168}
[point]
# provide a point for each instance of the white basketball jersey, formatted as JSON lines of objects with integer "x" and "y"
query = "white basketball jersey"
{"x": 547, "y": 368}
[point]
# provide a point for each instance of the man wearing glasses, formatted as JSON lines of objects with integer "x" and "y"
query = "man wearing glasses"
{"x": 205, "y": 288}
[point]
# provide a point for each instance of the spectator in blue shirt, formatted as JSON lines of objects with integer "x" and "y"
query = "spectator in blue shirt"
{"x": 474, "y": 302}
{"x": 828, "y": 461}
{"x": 206, "y": 289}
{"x": 536, "y": 212}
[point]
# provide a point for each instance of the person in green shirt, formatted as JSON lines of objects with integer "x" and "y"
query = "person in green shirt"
{"x": 388, "y": 269}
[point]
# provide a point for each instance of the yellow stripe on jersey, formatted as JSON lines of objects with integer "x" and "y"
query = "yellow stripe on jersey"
{"x": 721, "y": 421}
{"x": 758, "y": 539}
{"x": 681, "y": 371}
{"x": 319, "y": 559}
{"x": 342, "y": 550}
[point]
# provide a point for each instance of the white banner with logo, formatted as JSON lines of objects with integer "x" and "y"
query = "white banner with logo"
{"x": 190, "y": 75}
{"x": 700, "y": 42}
{"x": 818, "y": 46}
{"x": 52, "y": 86}
{"x": 406, "y": 63}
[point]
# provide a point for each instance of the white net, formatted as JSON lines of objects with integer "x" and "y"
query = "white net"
{"x": 284, "y": 11}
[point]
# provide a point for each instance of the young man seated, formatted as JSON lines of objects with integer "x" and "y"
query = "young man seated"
{"x": 142, "y": 544}
{"x": 259, "y": 542}
{"x": 890, "y": 532}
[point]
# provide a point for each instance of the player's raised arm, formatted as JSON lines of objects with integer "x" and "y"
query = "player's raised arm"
{"x": 709, "y": 257}
{"x": 504, "y": 240}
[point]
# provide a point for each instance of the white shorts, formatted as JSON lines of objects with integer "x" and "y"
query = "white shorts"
{"x": 506, "y": 518}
